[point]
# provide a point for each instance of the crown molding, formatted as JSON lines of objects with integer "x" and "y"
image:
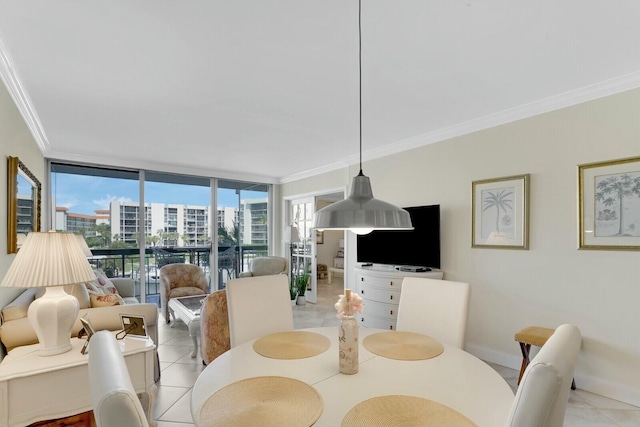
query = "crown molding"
{"x": 567, "y": 99}
{"x": 20, "y": 97}
{"x": 587, "y": 93}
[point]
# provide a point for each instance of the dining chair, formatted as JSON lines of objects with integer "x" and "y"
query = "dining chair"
{"x": 437, "y": 308}
{"x": 258, "y": 306}
{"x": 113, "y": 397}
{"x": 541, "y": 399}
{"x": 214, "y": 326}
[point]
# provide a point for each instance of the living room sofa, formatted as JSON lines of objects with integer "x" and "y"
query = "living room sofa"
{"x": 16, "y": 330}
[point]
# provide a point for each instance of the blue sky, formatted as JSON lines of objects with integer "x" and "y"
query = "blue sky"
{"x": 84, "y": 194}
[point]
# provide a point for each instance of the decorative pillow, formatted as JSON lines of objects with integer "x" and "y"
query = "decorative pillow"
{"x": 103, "y": 283}
{"x": 93, "y": 288}
{"x": 99, "y": 300}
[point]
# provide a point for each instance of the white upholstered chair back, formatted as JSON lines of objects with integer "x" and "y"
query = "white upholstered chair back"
{"x": 258, "y": 306}
{"x": 114, "y": 399}
{"x": 438, "y": 308}
{"x": 541, "y": 399}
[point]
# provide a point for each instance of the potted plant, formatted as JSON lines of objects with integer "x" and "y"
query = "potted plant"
{"x": 293, "y": 289}
{"x": 302, "y": 280}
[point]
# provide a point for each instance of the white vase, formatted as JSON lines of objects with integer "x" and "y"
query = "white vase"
{"x": 301, "y": 300}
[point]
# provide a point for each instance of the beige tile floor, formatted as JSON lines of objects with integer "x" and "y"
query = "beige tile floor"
{"x": 179, "y": 372}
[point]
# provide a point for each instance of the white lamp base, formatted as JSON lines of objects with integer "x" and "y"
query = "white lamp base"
{"x": 52, "y": 316}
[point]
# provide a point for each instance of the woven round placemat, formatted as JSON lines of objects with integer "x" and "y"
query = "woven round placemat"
{"x": 402, "y": 345}
{"x": 262, "y": 401}
{"x": 397, "y": 410}
{"x": 291, "y": 345}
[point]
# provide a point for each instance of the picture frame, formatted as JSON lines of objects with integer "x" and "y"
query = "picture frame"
{"x": 319, "y": 237}
{"x": 500, "y": 213}
{"x": 609, "y": 205}
{"x": 88, "y": 329}
{"x": 132, "y": 326}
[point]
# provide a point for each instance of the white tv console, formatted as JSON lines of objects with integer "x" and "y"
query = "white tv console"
{"x": 380, "y": 288}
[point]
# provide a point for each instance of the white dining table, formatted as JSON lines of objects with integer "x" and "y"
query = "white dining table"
{"x": 455, "y": 378}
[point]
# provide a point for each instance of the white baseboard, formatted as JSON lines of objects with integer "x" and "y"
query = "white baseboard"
{"x": 600, "y": 386}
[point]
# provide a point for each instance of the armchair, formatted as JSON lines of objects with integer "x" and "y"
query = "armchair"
{"x": 180, "y": 280}
{"x": 265, "y": 266}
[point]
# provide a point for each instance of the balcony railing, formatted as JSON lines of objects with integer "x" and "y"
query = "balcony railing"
{"x": 126, "y": 263}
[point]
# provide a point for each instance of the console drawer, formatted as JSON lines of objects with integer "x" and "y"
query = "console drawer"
{"x": 379, "y": 282}
{"x": 369, "y": 321}
{"x": 380, "y": 295}
{"x": 380, "y": 309}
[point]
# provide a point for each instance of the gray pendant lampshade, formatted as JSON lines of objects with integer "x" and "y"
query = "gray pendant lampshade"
{"x": 361, "y": 212}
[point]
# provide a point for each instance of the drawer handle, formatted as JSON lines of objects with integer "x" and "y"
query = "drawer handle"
{"x": 390, "y": 296}
{"x": 391, "y": 327}
{"x": 362, "y": 291}
{"x": 391, "y": 312}
{"x": 362, "y": 319}
{"x": 362, "y": 279}
{"x": 390, "y": 283}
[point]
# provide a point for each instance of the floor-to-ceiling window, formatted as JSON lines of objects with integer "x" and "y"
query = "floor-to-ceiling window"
{"x": 243, "y": 226}
{"x": 177, "y": 226}
{"x": 170, "y": 214}
{"x": 103, "y": 205}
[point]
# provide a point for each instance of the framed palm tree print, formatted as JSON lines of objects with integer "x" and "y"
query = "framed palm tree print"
{"x": 609, "y": 199}
{"x": 500, "y": 213}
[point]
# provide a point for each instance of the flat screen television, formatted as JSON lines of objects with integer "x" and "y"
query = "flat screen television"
{"x": 419, "y": 247}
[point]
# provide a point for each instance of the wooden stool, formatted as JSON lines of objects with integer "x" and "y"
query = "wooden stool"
{"x": 533, "y": 335}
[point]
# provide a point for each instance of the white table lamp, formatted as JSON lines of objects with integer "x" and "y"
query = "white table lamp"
{"x": 51, "y": 260}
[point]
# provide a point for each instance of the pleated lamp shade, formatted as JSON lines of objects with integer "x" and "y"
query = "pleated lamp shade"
{"x": 51, "y": 260}
{"x": 84, "y": 246}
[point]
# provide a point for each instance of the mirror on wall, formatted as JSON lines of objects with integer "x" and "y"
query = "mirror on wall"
{"x": 23, "y": 204}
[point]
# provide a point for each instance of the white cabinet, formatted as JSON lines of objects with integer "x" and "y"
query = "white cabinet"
{"x": 380, "y": 288}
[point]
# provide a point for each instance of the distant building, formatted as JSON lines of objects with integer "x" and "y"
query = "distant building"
{"x": 26, "y": 214}
{"x": 189, "y": 223}
{"x": 181, "y": 225}
{"x": 254, "y": 222}
{"x": 79, "y": 223}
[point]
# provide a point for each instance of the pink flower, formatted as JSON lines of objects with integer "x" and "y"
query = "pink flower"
{"x": 355, "y": 305}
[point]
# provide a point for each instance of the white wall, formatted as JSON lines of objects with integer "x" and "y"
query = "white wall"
{"x": 15, "y": 141}
{"x": 553, "y": 282}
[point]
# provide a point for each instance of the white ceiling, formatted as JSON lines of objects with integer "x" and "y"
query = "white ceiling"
{"x": 268, "y": 89}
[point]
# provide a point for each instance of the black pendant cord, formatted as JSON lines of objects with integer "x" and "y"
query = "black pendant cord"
{"x": 360, "y": 77}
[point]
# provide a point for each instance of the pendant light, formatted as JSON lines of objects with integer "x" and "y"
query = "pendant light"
{"x": 361, "y": 212}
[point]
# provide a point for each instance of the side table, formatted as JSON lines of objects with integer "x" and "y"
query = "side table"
{"x": 35, "y": 388}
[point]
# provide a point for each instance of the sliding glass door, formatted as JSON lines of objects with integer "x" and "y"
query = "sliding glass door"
{"x": 243, "y": 226}
{"x": 137, "y": 221}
